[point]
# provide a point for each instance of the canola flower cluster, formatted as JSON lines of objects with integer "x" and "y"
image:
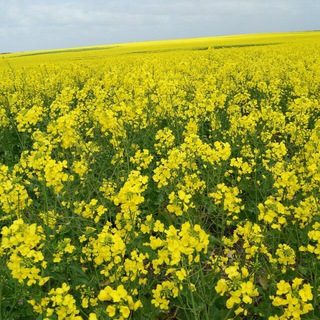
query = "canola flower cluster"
{"x": 179, "y": 184}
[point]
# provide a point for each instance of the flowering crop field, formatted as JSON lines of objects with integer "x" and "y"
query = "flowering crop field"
{"x": 162, "y": 180}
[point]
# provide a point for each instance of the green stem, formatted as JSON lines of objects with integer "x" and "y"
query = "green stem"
{"x": 228, "y": 314}
{"x": 1, "y": 286}
{"x": 193, "y": 303}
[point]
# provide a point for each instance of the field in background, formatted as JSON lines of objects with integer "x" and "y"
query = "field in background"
{"x": 162, "y": 180}
{"x": 116, "y": 50}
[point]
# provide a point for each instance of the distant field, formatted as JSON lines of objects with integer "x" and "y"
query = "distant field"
{"x": 97, "y": 52}
{"x": 162, "y": 180}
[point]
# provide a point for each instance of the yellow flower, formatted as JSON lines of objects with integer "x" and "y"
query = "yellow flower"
{"x": 105, "y": 294}
{"x": 305, "y": 293}
{"x": 283, "y": 287}
{"x": 125, "y": 311}
{"x": 111, "y": 310}
{"x": 222, "y": 287}
{"x": 93, "y": 316}
{"x": 181, "y": 274}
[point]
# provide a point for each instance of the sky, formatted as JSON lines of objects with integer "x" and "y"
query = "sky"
{"x": 27, "y": 25}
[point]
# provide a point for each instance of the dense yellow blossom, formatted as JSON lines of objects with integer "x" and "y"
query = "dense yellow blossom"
{"x": 23, "y": 244}
{"x": 239, "y": 288}
{"x": 59, "y": 303}
{"x": 293, "y": 298}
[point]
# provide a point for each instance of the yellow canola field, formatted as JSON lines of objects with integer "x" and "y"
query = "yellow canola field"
{"x": 171, "y": 179}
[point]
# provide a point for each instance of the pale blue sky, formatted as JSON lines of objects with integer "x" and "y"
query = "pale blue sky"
{"x": 38, "y": 24}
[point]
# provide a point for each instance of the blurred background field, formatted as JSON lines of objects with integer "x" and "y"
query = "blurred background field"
{"x": 165, "y": 46}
